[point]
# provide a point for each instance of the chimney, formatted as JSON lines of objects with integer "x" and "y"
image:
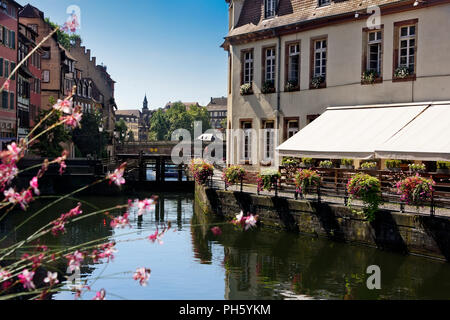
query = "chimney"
{"x": 88, "y": 53}
{"x": 78, "y": 42}
{"x": 94, "y": 61}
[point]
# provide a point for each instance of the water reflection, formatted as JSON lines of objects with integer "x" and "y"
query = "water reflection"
{"x": 194, "y": 264}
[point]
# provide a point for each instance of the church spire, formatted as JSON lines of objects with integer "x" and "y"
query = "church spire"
{"x": 145, "y": 103}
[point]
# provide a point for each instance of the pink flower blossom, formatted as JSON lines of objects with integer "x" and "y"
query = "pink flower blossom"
{"x": 26, "y": 278}
{"x": 75, "y": 260}
{"x": 4, "y": 275}
{"x": 71, "y": 25}
{"x": 117, "y": 176}
{"x": 120, "y": 222}
{"x": 61, "y": 160}
{"x": 142, "y": 274}
{"x": 7, "y": 174}
{"x": 250, "y": 222}
{"x": 6, "y": 85}
{"x": 216, "y": 231}
{"x": 156, "y": 237}
{"x": 105, "y": 251}
{"x": 11, "y": 195}
{"x": 145, "y": 205}
{"x": 52, "y": 278}
{"x": 35, "y": 185}
{"x": 100, "y": 295}
{"x": 64, "y": 106}
{"x": 15, "y": 151}
{"x": 73, "y": 120}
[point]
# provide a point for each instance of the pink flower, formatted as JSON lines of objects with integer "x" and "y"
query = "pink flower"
{"x": 117, "y": 176}
{"x": 35, "y": 186}
{"x": 250, "y": 222}
{"x": 52, "y": 278}
{"x": 73, "y": 120}
{"x": 26, "y": 278}
{"x": 75, "y": 211}
{"x": 4, "y": 275}
{"x": 145, "y": 205}
{"x": 75, "y": 260}
{"x": 7, "y": 174}
{"x": 71, "y": 25}
{"x": 142, "y": 274}
{"x": 25, "y": 198}
{"x": 216, "y": 231}
{"x": 11, "y": 195}
{"x": 6, "y": 85}
{"x": 120, "y": 222}
{"x": 156, "y": 237}
{"x": 64, "y": 106}
{"x": 15, "y": 151}
{"x": 61, "y": 160}
{"x": 100, "y": 295}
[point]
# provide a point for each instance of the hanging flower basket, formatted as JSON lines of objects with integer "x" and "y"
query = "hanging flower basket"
{"x": 246, "y": 89}
{"x": 268, "y": 87}
{"x": 367, "y": 189}
{"x": 201, "y": 171}
{"x": 306, "y": 180}
{"x": 233, "y": 175}
{"x": 268, "y": 179}
{"x": 317, "y": 81}
{"x": 416, "y": 190}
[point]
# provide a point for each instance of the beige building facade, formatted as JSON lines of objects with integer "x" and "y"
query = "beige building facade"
{"x": 299, "y": 62}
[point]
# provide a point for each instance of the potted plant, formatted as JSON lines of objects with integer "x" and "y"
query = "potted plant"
{"x": 326, "y": 164}
{"x": 246, "y": 89}
{"x": 307, "y": 163}
{"x": 291, "y": 85}
{"x": 417, "y": 167}
{"x": 267, "y": 179}
{"x": 305, "y": 180}
{"x": 268, "y": 87}
{"x": 401, "y": 72}
{"x": 233, "y": 175}
{"x": 443, "y": 167}
{"x": 393, "y": 165}
{"x": 416, "y": 190}
{"x": 317, "y": 81}
{"x": 369, "y": 76}
{"x": 201, "y": 170}
{"x": 347, "y": 164}
{"x": 369, "y": 166}
{"x": 291, "y": 166}
{"x": 367, "y": 189}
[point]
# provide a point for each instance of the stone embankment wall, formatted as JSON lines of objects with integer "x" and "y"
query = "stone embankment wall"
{"x": 404, "y": 233}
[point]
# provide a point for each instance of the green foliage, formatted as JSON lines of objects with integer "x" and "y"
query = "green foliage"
{"x": 367, "y": 189}
{"x": 164, "y": 123}
{"x": 130, "y": 137}
{"x": 417, "y": 167}
{"x": 122, "y": 129}
{"x": 309, "y": 162}
{"x": 305, "y": 180}
{"x": 326, "y": 164}
{"x": 443, "y": 165}
{"x": 368, "y": 165}
{"x": 64, "y": 39}
{"x": 268, "y": 86}
{"x": 246, "y": 89}
{"x": 268, "y": 179}
{"x": 347, "y": 162}
{"x": 369, "y": 76}
{"x": 88, "y": 138}
{"x": 233, "y": 175}
{"x": 49, "y": 144}
{"x": 393, "y": 163}
{"x": 289, "y": 162}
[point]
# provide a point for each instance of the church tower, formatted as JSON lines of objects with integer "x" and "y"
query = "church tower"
{"x": 145, "y": 108}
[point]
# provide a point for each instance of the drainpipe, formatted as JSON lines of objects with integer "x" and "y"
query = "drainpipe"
{"x": 278, "y": 89}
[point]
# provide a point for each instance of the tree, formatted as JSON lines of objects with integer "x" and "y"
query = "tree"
{"x": 64, "y": 39}
{"x": 198, "y": 113}
{"x": 49, "y": 144}
{"x": 131, "y": 136}
{"x": 122, "y": 129}
{"x": 159, "y": 126}
{"x": 88, "y": 138}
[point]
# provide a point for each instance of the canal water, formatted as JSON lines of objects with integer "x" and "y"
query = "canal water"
{"x": 192, "y": 263}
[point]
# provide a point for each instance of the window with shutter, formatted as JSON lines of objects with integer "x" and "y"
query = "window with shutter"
{"x": 11, "y": 101}
{"x": 1, "y": 34}
{"x": 1, "y": 67}
{"x": 6, "y": 68}
{"x": 13, "y": 40}
{"x": 13, "y": 66}
{"x": 4, "y": 99}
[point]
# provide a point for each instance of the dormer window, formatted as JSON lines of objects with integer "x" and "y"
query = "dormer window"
{"x": 323, "y": 3}
{"x": 269, "y": 8}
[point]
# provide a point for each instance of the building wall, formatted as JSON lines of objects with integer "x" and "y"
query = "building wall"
{"x": 53, "y": 88}
{"x": 8, "y": 115}
{"x": 344, "y": 68}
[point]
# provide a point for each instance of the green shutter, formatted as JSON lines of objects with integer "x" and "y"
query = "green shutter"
{"x": 4, "y": 99}
{"x": 1, "y": 67}
{"x": 13, "y": 40}
{"x": 13, "y": 66}
{"x": 6, "y": 68}
{"x": 1, "y": 33}
{"x": 4, "y": 35}
{"x": 11, "y": 101}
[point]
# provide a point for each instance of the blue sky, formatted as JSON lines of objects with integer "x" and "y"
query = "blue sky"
{"x": 167, "y": 49}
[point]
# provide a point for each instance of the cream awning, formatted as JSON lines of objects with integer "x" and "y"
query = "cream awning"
{"x": 417, "y": 131}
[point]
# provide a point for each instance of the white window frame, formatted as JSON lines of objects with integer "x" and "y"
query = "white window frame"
{"x": 320, "y": 63}
{"x": 294, "y": 76}
{"x": 248, "y": 66}
{"x": 270, "y": 7}
{"x": 292, "y": 131}
{"x": 246, "y": 151}
{"x": 269, "y": 140}
{"x": 270, "y": 64}
{"x": 378, "y": 41}
{"x": 408, "y": 37}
